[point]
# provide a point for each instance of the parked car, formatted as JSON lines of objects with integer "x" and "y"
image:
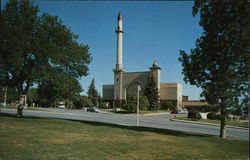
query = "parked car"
{"x": 92, "y": 109}
{"x": 179, "y": 111}
{"x": 173, "y": 112}
{"x": 61, "y": 106}
{"x": 184, "y": 110}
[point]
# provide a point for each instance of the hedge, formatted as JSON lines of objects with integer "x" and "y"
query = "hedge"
{"x": 195, "y": 115}
{"x": 204, "y": 108}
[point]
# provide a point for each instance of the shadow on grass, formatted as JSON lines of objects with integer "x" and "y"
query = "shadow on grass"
{"x": 135, "y": 128}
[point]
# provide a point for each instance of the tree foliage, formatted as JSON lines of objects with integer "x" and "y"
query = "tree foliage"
{"x": 132, "y": 103}
{"x": 32, "y": 96}
{"x": 33, "y": 47}
{"x": 58, "y": 86}
{"x": 92, "y": 93}
{"x": 219, "y": 63}
{"x": 82, "y": 101}
{"x": 152, "y": 93}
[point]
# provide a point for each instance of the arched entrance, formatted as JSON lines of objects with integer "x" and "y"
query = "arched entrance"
{"x": 132, "y": 89}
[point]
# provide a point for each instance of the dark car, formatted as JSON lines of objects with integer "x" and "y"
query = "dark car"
{"x": 173, "y": 112}
{"x": 92, "y": 109}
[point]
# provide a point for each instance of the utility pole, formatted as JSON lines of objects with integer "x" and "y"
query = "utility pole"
{"x": 5, "y": 95}
{"x": 138, "y": 104}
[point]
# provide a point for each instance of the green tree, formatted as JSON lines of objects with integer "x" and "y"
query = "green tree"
{"x": 92, "y": 92}
{"x": 152, "y": 93}
{"x": 58, "y": 87}
{"x": 219, "y": 63}
{"x": 32, "y": 96}
{"x": 100, "y": 102}
{"x": 32, "y": 47}
{"x": 12, "y": 94}
{"x": 132, "y": 103}
{"x": 82, "y": 101}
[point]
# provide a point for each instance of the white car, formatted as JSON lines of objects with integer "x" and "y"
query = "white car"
{"x": 182, "y": 111}
{"x": 61, "y": 106}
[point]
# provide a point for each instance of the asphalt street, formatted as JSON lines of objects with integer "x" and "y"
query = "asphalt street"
{"x": 155, "y": 121}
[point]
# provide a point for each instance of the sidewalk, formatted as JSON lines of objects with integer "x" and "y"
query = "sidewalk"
{"x": 204, "y": 123}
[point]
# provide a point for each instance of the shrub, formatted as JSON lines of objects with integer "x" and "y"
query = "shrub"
{"x": 212, "y": 115}
{"x": 195, "y": 115}
{"x": 203, "y": 108}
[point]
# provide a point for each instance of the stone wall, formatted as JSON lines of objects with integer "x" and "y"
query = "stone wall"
{"x": 172, "y": 91}
{"x": 108, "y": 92}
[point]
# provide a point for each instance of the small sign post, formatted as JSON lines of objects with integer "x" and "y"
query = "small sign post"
{"x": 138, "y": 104}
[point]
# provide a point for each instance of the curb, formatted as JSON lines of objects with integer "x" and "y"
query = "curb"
{"x": 204, "y": 123}
{"x": 152, "y": 114}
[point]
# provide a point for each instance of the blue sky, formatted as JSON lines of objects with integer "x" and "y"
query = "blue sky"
{"x": 153, "y": 31}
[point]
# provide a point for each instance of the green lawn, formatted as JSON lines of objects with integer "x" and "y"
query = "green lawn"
{"x": 231, "y": 123}
{"x": 55, "y": 139}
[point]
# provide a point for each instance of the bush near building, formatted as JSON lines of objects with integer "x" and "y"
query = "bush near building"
{"x": 203, "y": 108}
{"x": 193, "y": 114}
{"x": 212, "y": 116}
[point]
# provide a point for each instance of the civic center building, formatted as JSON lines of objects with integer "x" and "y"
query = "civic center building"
{"x": 126, "y": 83}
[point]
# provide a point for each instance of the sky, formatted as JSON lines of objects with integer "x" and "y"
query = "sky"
{"x": 153, "y": 31}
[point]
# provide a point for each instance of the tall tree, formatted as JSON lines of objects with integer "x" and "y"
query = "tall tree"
{"x": 32, "y": 47}
{"x": 92, "y": 92}
{"x": 32, "y": 96}
{"x": 58, "y": 87}
{"x": 152, "y": 93}
{"x": 82, "y": 101}
{"x": 132, "y": 103}
{"x": 219, "y": 63}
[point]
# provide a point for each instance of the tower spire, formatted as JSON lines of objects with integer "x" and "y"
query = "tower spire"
{"x": 119, "y": 31}
{"x": 119, "y": 17}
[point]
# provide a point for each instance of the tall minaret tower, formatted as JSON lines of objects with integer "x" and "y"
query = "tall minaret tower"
{"x": 119, "y": 31}
{"x": 118, "y": 71}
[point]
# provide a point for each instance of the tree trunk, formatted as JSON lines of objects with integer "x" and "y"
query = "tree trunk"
{"x": 223, "y": 120}
{"x": 223, "y": 127}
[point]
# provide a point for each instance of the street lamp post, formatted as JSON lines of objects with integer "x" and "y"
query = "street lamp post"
{"x": 138, "y": 104}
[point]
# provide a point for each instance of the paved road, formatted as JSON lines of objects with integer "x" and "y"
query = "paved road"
{"x": 155, "y": 121}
